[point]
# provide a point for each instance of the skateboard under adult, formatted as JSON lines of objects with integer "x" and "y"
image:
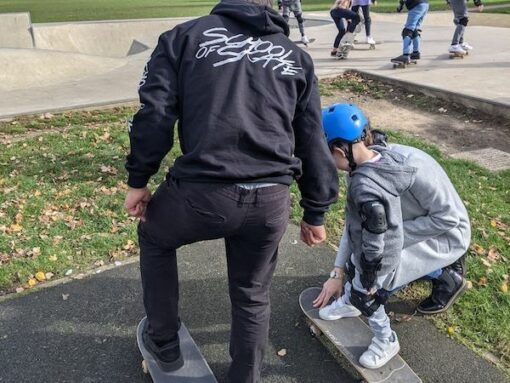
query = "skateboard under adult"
{"x": 195, "y": 369}
{"x": 299, "y": 42}
{"x": 351, "y": 336}
{"x": 453, "y": 55}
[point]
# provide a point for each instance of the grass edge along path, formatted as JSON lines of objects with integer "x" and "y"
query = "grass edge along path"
{"x": 61, "y": 196}
{"x": 87, "y": 10}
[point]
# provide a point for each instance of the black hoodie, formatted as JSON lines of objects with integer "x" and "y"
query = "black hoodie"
{"x": 247, "y": 105}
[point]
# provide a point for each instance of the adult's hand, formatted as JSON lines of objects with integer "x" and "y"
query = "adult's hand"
{"x": 136, "y": 202}
{"x": 332, "y": 287}
{"x": 312, "y": 235}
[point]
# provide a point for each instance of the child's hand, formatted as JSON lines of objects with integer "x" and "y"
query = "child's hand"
{"x": 312, "y": 235}
{"x": 332, "y": 287}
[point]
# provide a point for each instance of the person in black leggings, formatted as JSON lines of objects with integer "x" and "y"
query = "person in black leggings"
{"x": 365, "y": 8}
{"x": 339, "y": 12}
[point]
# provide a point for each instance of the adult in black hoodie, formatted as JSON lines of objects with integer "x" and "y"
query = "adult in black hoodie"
{"x": 249, "y": 122}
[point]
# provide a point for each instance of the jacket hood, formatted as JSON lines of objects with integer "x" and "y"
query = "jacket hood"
{"x": 258, "y": 19}
{"x": 391, "y": 172}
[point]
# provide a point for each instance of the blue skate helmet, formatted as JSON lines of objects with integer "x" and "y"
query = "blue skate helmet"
{"x": 344, "y": 123}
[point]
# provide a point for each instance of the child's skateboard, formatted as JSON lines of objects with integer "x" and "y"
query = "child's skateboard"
{"x": 351, "y": 336}
{"x": 403, "y": 65}
{"x": 195, "y": 369}
{"x": 453, "y": 55}
{"x": 299, "y": 42}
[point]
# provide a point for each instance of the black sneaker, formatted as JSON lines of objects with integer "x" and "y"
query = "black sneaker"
{"x": 415, "y": 56}
{"x": 459, "y": 266}
{"x": 167, "y": 356}
{"x": 446, "y": 289}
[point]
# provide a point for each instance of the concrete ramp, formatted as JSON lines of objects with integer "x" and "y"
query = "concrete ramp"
{"x": 28, "y": 68}
{"x": 107, "y": 39}
{"x": 16, "y": 30}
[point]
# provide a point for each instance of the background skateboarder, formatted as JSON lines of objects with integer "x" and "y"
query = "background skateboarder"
{"x": 294, "y": 6}
{"x": 460, "y": 19}
{"x": 341, "y": 11}
{"x": 404, "y": 220}
{"x": 243, "y": 143}
{"x": 411, "y": 34}
{"x": 365, "y": 8}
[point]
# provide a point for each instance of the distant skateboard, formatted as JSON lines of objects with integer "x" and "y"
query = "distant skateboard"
{"x": 403, "y": 65}
{"x": 370, "y": 46}
{"x": 453, "y": 55}
{"x": 195, "y": 369}
{"x": 351, "y": 336}
{"x": 299, "y": 42}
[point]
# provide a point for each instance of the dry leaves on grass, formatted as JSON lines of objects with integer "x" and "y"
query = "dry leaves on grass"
{"x": 282, "y": 352}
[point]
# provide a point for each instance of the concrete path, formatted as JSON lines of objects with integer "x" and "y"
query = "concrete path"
{"x": 482, "y": 77}
{"x": 90, "y": 336}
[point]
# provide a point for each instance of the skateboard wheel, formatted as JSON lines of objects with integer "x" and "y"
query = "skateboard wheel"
{"x": 145, "y": 367}
{"x": 372, "y": 47}
{"x": 315, "y": 331}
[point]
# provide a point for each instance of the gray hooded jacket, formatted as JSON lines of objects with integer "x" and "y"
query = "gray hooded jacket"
{"x": 383, "y": 181}
{"x": 436, "y": 223}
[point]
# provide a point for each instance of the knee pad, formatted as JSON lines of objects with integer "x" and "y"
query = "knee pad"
{"x": 299, "y": 18}
{"x": 464, "y": 21}
{"x": 406, "y": 32}
{"x": 416, "y": 33}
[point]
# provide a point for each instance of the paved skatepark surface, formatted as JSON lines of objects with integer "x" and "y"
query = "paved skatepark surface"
{"x": 97, "y": 63}
{"x": 90, "y": 336}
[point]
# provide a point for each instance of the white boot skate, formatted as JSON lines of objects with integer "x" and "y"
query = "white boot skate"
{"x": 305, "y": 40}
{"x": 380, "y": 352}
{"x": 338, "y": 309}
{"x": 370, "y": 40}
{"x": 456, "y": 49}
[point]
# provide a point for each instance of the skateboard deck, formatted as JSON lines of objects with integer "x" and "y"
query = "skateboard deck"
{"x": 400, "y": 64}
{"x": 453, "y": 55}
{"x": 195, "y": 369}
{"x": 343, "y": 52}
{"x": 351, "y": 336}
{"x": 299, "y": 42}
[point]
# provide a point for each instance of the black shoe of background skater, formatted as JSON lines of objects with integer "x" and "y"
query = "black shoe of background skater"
{"x": 446, "y": 289}
{"x": 402, "y": 58}
{"x": 415, "y": 56}
{"x": 168, "y": 357}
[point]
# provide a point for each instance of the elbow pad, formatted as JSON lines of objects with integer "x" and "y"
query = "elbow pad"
{"x": 373, "y": 217}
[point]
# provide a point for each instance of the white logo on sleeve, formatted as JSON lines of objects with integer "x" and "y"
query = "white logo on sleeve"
{"x": 236, "y": 47}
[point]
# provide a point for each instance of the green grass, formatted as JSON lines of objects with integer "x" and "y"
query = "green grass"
{"x": 81, "y": 10}
{"x": 505, "y": 10}
{"x": 61, "y": 197}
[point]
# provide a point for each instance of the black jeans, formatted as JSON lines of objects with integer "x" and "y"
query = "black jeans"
{"x": 352, "y": 18}
{"x": 252, "y": 223}
{"x": 366, "y": 15}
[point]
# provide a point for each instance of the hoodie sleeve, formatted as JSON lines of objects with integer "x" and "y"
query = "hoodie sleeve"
{"x": 319, "y": 181}
{"x": 151, "y": 130}
{"x": 344, "y": 250}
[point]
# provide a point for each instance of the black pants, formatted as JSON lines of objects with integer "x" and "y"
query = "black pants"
{"x": 352, "y": 18}
{"x": 366, "y": 15}
{"x": 252, "y": 223}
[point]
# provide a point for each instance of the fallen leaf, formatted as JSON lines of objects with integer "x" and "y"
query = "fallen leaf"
{"x": 40, "y": 276}
{"x": 282, "y": 352}
{"x": 451, "y": 330}
{"x": 504, "y": 287}
{"x": 49, "y": 275}
{"x": 65, "y": 297}
{"x": 493, "y": 223}
{"x": 52, "y": 258}
{"x": 19, "y": 289}
{"x": 15, "y": 228}
{"x": 486, "y": 262}
{"x": 32, "y": 282}
{"x": 404, "y": 318}
{"x": 469, "y": 285}
{"x": 18, "y": 218}
{"x": 68, "y": 272}
{"x": 36, "y": 251}
{"x": 477, "y": 249}
{"x": 505, "y": 277}
{"x": 493, "y": 255}
{"x": 483, "y": 282}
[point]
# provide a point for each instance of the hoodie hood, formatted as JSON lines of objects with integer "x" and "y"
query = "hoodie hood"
{"x": 390, "y": 172}
{"x": 257, "y": 19}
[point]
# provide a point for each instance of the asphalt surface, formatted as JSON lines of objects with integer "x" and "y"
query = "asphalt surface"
{"x": 90, "y": 336}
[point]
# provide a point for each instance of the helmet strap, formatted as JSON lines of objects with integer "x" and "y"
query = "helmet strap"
{"x": 350, "y": 158}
